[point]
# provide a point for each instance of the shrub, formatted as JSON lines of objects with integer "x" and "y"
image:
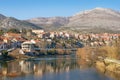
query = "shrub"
{"x": 51, "y": 52}
{"x": 4, "y": 53}
{"x": 83, "y": 53}
{"x": 110, "y": 51}
{"x": 60, "y": 51}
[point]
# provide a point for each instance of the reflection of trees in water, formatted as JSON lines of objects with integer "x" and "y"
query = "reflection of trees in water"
{"x": 115, "y": 76}
{"x": 10, "y": 69}
{"x": 40, "y": 67}
{"x": 84, "y": 64}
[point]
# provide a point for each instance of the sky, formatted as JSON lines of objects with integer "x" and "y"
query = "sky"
{"x": 26, "y": 9}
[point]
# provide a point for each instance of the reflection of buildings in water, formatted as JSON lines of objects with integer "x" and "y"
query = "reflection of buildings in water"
{"x": 4, "y": 71}
{"x": 26, "y": 67}
{"x": 49, "y": 68}
{"x": 13, "y": 69}
{"x": 37, "y": 71}
{"x": 67, "y": 69}
{"x": 39, "y": 68}
{"x": 54, "y": 66}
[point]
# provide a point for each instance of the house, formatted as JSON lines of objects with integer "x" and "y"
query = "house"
{"x": 11, "y": 35}
{"x": 40, "y": 36}
{"x": 6, "y": 40}
{"x": 29, "y": 46}
{"x": 3, "y": 46}
{"x": 38, "y": 31}
{"x": 52, "y": 35}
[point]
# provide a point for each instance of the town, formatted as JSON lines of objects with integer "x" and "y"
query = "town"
{"x": 39, "y": 40}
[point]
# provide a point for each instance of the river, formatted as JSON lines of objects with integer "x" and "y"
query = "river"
{"x": 66, "y": 67}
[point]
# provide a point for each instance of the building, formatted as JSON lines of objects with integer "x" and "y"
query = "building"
{"x": 12, "y": 35}
{"x": 29, "y": 46}
{"x": 38, "y": 31}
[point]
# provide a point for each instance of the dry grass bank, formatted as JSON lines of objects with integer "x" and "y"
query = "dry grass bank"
{"x": 84, "y": 53}
{"x": 109, "y": 51}
{"x": 94, "y": 53}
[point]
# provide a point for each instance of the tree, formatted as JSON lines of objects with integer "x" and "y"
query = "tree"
{"x": 4, "y": 53}
{"x": 1, "y": 32}
{"x": 13, "y": 30}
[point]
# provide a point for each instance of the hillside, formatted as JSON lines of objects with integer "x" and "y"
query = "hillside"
{"x": 50, "y": 23}
{"x": 10, "y": 22}
{"x": 94, "y": 20}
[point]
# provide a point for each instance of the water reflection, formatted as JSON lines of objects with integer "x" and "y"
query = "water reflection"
{"x": 50, "y": 68}
{"x": 115, "y": 76}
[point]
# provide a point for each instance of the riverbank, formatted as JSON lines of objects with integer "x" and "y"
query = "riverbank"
{"x": 15, "y": 54}
{"x": 104, "y": 58}
{"x": 111, "y": 65}
{"x": 8, "y": 58}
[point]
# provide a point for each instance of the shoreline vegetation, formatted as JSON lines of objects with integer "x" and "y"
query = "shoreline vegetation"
{"x": 15, "y": 54}
{"x": 105, "y": 58}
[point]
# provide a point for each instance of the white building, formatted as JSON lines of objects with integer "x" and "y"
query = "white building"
{"x": 52, "y": 35}
{"x": 38, "y": 31}
{"x": 28, "y": 46}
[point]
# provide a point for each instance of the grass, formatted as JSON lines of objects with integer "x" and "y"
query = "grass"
{"x": 109, "y": 51}
{"x": 83, "y": 53}
{"x": 105, "y": 51}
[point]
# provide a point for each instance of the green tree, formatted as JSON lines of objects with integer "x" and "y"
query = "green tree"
{"x": 4, "y": 53}
{"x": 1, "y": 32}
{"x": 13, "y": 30}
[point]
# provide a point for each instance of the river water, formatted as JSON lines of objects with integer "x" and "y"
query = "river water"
{"x": 51, "y": 68}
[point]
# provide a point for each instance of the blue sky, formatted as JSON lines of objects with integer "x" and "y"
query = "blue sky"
{"x": 25, "y": 9}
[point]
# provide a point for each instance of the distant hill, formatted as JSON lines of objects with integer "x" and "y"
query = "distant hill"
{"x": 50, "y": 23}
{"x": 2, "y": 17}
{"x": 98, "y": 19}
{"x": 10, "y": 22}
{"x": 94, "y": 20}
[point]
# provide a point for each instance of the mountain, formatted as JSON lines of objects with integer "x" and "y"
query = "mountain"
{"x": 2, "y": 17}
{"x": 98, "y": 19}
{"x": 10, "y": 22}
{"x": 50, "y": 23}
{"x": 94, "y": 20}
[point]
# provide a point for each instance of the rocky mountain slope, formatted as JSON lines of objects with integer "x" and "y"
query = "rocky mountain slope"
{"x": 94, "y": 20}
{"x": 10, "y": 22}
{"x": 97, "y": 19}
{"x": 50, "y": 23}
{"x": 2, "y": 17}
